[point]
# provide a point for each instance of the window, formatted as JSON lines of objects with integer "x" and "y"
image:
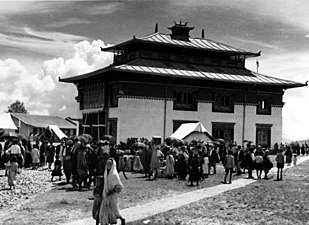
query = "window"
{"x": 224, "y": 131}
{"x": 263, "y": 106}
{"x": 93, "y": 95}
{"x": 185, "y": 100}
{"x": 263, "y": 135}
{"x": 223, "y": 102}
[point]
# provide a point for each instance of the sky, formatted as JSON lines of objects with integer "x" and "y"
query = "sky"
{"x": 41, "y": 41}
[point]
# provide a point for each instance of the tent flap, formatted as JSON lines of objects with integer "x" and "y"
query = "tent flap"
{"x": 192, "y": 131}
{"x": 6, "y": 122}
{"x": 57, "y": 131}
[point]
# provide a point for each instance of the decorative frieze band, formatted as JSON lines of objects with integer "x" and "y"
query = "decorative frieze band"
{"x": 146, "y": 98}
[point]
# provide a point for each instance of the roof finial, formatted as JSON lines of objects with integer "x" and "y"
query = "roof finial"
{"x": 156, "y": 28}
{"x": 203, "y": 33}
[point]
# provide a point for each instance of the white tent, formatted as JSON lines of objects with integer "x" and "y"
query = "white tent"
{"x": 192, "y": 131}
{"x": 6, "y": 122}
{"x": 57, "y": 131}
{"x": 52, "y": 132}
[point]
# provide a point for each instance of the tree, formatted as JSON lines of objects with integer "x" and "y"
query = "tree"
{"x": 17, "y": 107}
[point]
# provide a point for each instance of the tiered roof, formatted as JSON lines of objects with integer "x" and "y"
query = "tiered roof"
{"x": 180, "y": 38}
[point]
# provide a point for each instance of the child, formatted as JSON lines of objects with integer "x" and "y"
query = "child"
{"x": 280, "y": 165}
{"x": 12, "y": 168}
{"x": 294, "y": 159}
{"x": 57, "y": 169}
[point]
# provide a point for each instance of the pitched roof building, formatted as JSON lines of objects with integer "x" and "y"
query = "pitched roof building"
{"x": 29, "y": 124}
{"x": 160, "y": 81}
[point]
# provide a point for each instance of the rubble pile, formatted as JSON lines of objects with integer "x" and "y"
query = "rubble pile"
{"x": 29, "y": 183}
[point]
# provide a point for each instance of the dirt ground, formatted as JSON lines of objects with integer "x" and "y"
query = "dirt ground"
{"x": 264, "y": 202}
{"x": 63, "y": 204}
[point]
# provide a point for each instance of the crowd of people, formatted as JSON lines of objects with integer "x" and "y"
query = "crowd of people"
{"x": 84, "y": 163}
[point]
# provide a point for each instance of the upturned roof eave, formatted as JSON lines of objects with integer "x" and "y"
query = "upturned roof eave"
{"x": 76, "y": 79}
{"x": 284, "y": 86}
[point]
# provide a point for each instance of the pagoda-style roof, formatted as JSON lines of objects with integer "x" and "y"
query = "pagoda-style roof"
{"x": 192, "y": 43}
{"x": 190, "y": 71}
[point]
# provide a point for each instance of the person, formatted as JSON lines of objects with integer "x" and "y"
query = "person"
{"x": 43, "y": 151}
{"x": 12, "y": 170}
{"x": 288, "y": 155}
{"x": 97, "y": 194}
{"x": 229, "y": 165}
{"x": 146, "y": 159}
{"x": 137, "y": 165}
{"x": 50, "y": 154}
{"x": 267, "y": 164}
{"x": 122, "y": 165}
{"x": 213, "y": 159}
{"x": 66, "y": 158}
{"x": 205, "y": 166}
{"x": 239, "y": 158}
{"x": 82, "y": 166}
{"x": 155, "y": 162}
{"x": 294, "y": 159}
{"x": 170, "y": 163}
{"x": 109, "y": 212}
{"x": 35, "y": 157}
{"x": 1, "y": 157}
{"x": 14, "y": 150}
{"x": 92, "y": 165}
{"x": 249, "y": 161}
{"x": 280, "y": 165}
{"x": 182, "y": 165}
{"x": 194, "y": 168}
{"x": 258, "y": 162}
{"x": 57, "y": 169}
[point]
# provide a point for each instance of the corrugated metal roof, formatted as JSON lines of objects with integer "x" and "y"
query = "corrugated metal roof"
{"x": 239, "y": 75}
{"x": 195, "y": 43}
{"x": 43, "y": 121}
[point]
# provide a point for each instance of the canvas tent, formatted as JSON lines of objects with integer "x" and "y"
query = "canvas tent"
{"x": 192, "y": 131}
{"x": 52, "y": 132}
{"x": 6, "y": 122}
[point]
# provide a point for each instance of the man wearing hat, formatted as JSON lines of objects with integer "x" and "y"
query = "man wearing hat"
{"x": 213, "y": 158}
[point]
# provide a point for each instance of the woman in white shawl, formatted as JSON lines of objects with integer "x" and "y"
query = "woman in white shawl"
{"x": 109, "y": 212}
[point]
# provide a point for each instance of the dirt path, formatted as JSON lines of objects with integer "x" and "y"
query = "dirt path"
{"x": 152, "y": 208}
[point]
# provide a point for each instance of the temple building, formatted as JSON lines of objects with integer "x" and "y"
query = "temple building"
{"x": 160, "y": 81}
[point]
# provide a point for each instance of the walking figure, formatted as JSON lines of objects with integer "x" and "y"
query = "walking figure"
{"x": 280, "y": 164}
{"x": 12, "y": 171}
{"x": 229, "y": 165}
{"x": 57, "y": 169}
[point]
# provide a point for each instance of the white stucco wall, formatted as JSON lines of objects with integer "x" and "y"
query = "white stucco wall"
{"x": 145, "y": 118}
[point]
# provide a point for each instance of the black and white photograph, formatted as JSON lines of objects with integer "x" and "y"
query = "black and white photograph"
{"x": 154, "y": 112}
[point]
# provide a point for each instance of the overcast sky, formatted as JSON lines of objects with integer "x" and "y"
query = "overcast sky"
{"x": 41, "y": 41}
